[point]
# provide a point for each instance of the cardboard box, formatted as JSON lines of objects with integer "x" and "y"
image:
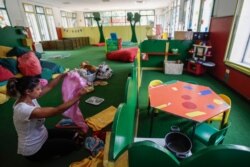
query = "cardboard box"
{"x": 183, "y": 35}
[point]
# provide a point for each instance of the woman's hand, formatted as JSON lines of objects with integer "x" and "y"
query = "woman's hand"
{"x": 53, "y": 83}
{"x": 85, "y": 90}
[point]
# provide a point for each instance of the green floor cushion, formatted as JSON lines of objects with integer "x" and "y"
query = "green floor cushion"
{"x": 10, "y": 64}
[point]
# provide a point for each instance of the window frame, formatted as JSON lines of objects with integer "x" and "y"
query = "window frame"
{"x": 236, "y": 65}
{"x": 89, "y": 18}
{"x": 5, "y": 9}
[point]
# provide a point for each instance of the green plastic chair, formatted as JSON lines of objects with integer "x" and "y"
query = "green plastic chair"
{"x": 148, "y": 154}
{"x": 227, "y": 155}
{"x": 210, "y": 135}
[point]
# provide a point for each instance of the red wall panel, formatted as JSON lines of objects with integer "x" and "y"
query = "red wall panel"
{"x": 219, "y": 34}
{"x": 59, "y": 33}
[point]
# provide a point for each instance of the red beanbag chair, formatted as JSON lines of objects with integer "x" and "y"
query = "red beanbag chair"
{"x": 126, "y": 54}
{"x": 29, "y": 65}
{"x": 5, "y": 74}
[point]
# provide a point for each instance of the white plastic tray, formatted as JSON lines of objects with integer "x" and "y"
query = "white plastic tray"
{"x": 94, "y": 100}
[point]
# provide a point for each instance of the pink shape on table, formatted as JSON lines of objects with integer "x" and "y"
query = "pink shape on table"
{"x": 189, "y": 105}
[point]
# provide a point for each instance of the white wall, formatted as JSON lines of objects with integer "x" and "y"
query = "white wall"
{"x": 224, "y": 8}
{"x": 16, "y": 13}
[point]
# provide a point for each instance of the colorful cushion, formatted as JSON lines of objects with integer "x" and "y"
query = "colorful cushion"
{"x": 29, "y": 65}
{"x": 126, "y": 55}
{"x": 19, "y": 75}
{"x": 99, "y": 44}
{"x": 19, "y": 51}
{"x": 3, "y": 83}
{"x": 5, "y": 74}
{"x": 10, "y": 64}
{"x": 46, "y": 73}
{"x": 4, "y": 50}
{"x": 3, "y": 98}
{"x": 3, "y": 89}
{"x": 55, "y": 68}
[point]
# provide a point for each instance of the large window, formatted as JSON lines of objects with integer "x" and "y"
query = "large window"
{"x": 195, "y": 15}
{"x": 147, "y": 17}
{"x": 238, "y": 51}
{"x": 4, "y": 19}
{"x": 187, "y": 14}
{"x": 64, "y": 19}
{"x": 68, "y": 19}
{"x": 206, "y": 15}
{"x": 118, "y": 17}
{"x": 51, "y": 23}
{"x": 31, "y": 18}
{"x": 181, "y": 15}
{"x": 113, "y": 18}
{"x": 41, "y": 22}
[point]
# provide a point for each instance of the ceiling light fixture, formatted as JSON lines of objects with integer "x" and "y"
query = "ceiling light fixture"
{"x": 139, "y": 1}
{"x": 66, "y": 3}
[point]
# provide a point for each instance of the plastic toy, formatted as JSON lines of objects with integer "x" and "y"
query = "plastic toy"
{"x": 104, "y": 71}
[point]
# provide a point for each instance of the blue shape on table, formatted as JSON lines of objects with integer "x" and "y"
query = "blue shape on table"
{"x": 188, "y": 87}
{"x": 205, "y": 92}
{"x": 211, "y": 106}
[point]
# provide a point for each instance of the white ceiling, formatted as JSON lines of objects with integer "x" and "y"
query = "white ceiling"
{"x": 100, "y": 5}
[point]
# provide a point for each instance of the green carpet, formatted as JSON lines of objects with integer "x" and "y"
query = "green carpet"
{"x": 238, "y": 133}
{"x": 114, "y": 95}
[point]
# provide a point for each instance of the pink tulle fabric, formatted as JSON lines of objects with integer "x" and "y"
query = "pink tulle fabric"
{"x": 72, "y": 83}
{"x": 43, "y": 82}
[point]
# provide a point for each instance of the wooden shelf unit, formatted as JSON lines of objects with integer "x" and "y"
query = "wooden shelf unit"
{"x": 161, "y": 54}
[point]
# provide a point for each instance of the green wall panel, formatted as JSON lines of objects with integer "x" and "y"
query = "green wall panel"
{"x": 160, "y": 46}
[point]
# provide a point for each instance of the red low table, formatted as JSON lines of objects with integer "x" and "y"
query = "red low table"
{"x": 194, "y": 102}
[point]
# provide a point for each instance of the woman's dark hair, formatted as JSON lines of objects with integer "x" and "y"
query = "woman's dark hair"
{"x": 18, "y": 86}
